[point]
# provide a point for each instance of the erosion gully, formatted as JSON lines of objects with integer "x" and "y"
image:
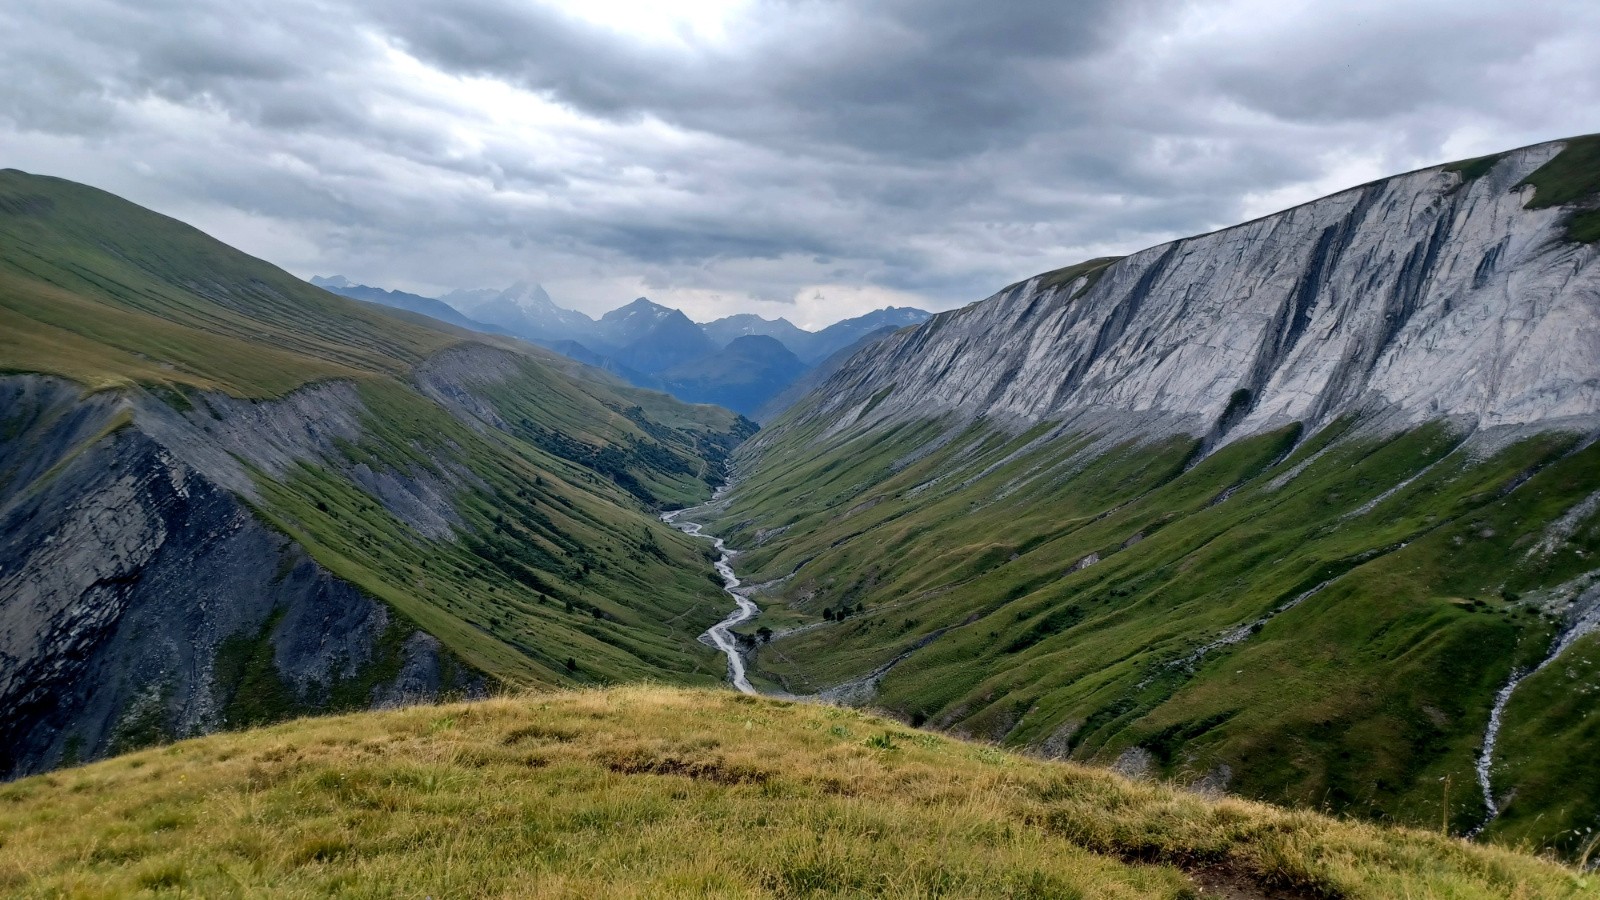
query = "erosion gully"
{"x": 1584, "y": 621}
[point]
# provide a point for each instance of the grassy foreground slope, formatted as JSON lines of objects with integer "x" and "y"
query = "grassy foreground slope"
{"x": 550, "y": 566}
{"x": 658, "y": 792}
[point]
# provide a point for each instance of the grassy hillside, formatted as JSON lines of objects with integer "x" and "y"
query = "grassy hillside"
{"x": 656, "y": 792}
{"x": 1325, "y": 627}
{"x": 556, "y": 571}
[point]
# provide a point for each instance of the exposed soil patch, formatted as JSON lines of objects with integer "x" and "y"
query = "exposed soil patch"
{"x": 1224, "y": 885}
{"x": 529, "y": 733}
{"x": 714, "y": 770}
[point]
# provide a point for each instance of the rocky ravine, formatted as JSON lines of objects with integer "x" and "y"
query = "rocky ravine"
{"x": 128, "y": 560}
{"x": 1424, "y": 295}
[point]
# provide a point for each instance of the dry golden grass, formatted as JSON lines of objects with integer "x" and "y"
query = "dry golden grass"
{"x": 661, "y": 792}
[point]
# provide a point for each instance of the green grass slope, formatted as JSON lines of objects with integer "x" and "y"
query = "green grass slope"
{"x": 657, "y": 792}
{"x": 559, "y": 572}
{"x": 1571, "y": 178}
{"x": 1325, "y": 627}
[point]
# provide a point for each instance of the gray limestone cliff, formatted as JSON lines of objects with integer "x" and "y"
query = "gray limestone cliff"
{"x": 1430, "y": 295}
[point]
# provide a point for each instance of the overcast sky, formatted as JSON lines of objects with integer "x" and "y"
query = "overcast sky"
{"x": 809, "y": 159}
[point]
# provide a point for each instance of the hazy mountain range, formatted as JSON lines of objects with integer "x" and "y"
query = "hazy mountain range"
{"x": 742, "y": 362}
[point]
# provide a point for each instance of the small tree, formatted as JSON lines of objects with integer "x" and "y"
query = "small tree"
{"x": 572, "y": 664}
{"x": 764, "y": 633}
{"x": 828, "y": 614}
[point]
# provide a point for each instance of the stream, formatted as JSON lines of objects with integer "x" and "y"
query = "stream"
{"x": 1585, "y": 622}
{"x": 720, "y": 635}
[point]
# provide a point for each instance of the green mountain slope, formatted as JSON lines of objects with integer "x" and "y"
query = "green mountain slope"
{"x": 497, "y": 495}
{"x": 1124, "y": 605}
{"x": 654, "y": 792}
{"x": 1251, "y": 510}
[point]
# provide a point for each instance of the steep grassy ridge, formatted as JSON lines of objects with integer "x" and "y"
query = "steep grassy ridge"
{"x": 496, "y": 494}
{"x": 1104, "y": 603}
{"x": 106, "y": 292}
{"x": 655, "y": 792}
{"x": 1572, "y": 178}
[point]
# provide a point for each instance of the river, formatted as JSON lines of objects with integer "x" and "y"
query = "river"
{"x": 721, "y": 634}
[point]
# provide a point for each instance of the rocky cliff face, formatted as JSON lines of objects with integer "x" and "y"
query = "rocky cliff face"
{"x": 145, "y": 600}
{"x": 1428, "y": 295}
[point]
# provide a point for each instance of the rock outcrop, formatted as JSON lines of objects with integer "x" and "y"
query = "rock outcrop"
{"x": 138, "y": 584}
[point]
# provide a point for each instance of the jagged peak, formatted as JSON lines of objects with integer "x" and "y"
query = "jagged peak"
{"x": 640, "y": 306}
{"x": 526, "y": 294}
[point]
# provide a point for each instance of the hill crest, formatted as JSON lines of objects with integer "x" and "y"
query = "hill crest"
{"x": 599, "y": 793}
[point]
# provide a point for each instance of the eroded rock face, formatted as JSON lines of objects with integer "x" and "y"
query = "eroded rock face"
{"x": 1420, "y": 295}
{"x": 223, "y": 437}
{"x": 127, "y": 574}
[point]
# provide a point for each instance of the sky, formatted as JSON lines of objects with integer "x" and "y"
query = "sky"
{"x": 804, "y": 158}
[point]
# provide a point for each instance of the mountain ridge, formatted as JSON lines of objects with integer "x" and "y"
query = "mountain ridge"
{"x": 1020, "y": 389}
{"x": 746, "y": 374}
{"x": 640, "y": 340}
{"x": 228, "y": 497}
{"x": 427, "y": 306}
{"x": 1285, "y": 507}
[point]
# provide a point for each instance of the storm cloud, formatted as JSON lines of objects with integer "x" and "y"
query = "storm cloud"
{"x": 797, "y": 157}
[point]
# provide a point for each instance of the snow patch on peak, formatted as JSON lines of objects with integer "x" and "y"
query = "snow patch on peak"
{"x": 528, "y": 295}
{"x": 642, "y": 306}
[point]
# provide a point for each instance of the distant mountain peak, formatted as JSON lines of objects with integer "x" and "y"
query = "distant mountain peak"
{"x": 750, "y": 319}
{"x": 428, "y": 306}
{"x": 641, "y": 306}
{"x": 528, "y": 295}
{"x": 763, "y": 342}
{"x": 842, "y": 334}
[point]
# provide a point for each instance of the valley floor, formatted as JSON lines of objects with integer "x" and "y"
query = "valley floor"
{"x": 663, "y": 792}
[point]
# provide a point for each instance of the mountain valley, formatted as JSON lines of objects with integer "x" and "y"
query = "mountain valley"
{"x": 1300, "y": 512}
{"x": 227, "y": 497}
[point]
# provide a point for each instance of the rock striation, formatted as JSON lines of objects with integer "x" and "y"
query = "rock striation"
{"x": 136, "y": 577}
